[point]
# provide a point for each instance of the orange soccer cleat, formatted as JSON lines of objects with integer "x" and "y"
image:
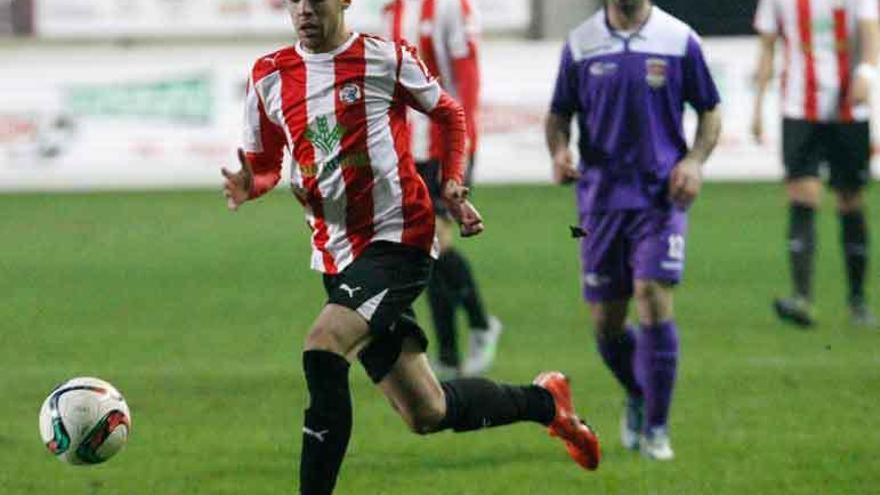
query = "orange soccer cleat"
{"x": 580, "y": 440}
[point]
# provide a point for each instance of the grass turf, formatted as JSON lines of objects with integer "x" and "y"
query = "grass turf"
{"x": 198, "y": 315}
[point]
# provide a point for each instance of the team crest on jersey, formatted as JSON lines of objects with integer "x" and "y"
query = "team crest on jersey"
{"x": 350, "y": 93}
{"x": 656, "y": 70}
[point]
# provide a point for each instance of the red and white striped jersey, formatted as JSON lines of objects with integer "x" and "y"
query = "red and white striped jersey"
{"x": 446, "y": 33}
{"x": 342, "y": 117}
{"x": 821, "y": 50}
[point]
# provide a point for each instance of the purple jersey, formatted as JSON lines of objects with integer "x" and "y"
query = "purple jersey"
{"x": 628, "y": 91}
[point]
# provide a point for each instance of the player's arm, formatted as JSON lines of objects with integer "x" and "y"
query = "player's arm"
{"x": 766, "y": 24}
{"x": 260, "y": 157}
{"x": 763, "y": 76}
{"x": 867, "y": 70}
{"x": 557, "y": 125}
{"x": 462, "y": 41}
{"x": 557, "y": 133}
{"x": 686, "y": 178}
{"x": 423, "y": 92}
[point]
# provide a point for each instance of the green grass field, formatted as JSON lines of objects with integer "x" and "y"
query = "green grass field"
{"x": 198, "y": 315}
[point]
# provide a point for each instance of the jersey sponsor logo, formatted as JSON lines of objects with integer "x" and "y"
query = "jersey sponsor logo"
{"x": 600, "y": 69}
{"x": 350, "y": 160}
{"x": 655, "y": 72}
{"x": 350, "y": 93}
{"x": 321, "y": 136}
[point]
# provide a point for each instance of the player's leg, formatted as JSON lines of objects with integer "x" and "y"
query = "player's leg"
{"x": 656, "y": 363}
{"x": 442, "y": 302}
{"x": 607, "y": 287}
{"x": 336, "y": 334}
{"x": 801, "y": 156}
{"x": 616, "y": 342}
{"x": 453, "y": 284}
{"x": 658, "y": 264}
{"x": 363, "y": 303}
{"x": 849, "y": 172}
{"x": 485, "y": 329}
{"x": 442, "y": 296}
{"x": 469, "y": 404}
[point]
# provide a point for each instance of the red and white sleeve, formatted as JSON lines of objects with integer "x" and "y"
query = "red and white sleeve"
{"x": 423, "y": 92}
{"x": 263, "y": 143}
{"x": 463, "y": 30}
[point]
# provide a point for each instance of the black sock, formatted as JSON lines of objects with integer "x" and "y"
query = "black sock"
{"x": 474, "y": 403}
{"x": 442, "y": 303}
{"x": 327, "y": 422}
{"x": 854, "y": 236}
{"x": 461, "y": 279}
{"x": 801, "y": 247}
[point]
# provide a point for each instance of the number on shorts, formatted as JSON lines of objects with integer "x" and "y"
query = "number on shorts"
{"x": 676, "y": 247}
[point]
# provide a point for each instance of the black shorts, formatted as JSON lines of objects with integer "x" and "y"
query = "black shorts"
{"x": 381, "y": 285}
{"x": 432, "y": 175}
{"x": 844, "y": 147}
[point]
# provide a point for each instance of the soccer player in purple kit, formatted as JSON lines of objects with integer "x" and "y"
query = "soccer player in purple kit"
{"x": 625, "y": 76}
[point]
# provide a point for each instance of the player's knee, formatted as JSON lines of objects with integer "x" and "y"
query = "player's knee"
{"x": 609, "y": 319}
{"x": 323, "y": 337}
{"x": 849, "y": 201}
{"x": 654, "y": 301}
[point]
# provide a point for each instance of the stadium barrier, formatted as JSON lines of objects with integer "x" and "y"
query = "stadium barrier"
{"x": 156, "y": 116}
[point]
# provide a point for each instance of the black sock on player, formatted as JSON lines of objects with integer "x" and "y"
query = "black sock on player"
{"x": 327, "y": 427}
{"x": 475, "y": 403}
{"x": 801, "y": 248}
{"x": 854, "y": 236}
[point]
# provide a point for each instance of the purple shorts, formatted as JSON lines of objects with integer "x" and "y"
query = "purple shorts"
{"x": 627, "y": 245}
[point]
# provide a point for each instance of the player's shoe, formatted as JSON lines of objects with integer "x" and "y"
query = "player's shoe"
{"x": 482, "y": 348}
{"x": 860, "y": 315}
{"x": 655, "y": 445}
{"x": 580, "y": 440}
{"x": 631, "y": 423}
{"x": 795, "y": 310}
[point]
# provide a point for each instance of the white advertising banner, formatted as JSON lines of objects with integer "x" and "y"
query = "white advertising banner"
{"x": 195, "y": 18}
{"x": 82, "y": 117}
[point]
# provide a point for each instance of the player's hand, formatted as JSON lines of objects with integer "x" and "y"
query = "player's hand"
{"x": 455, "y": 195}
{"x": 860, "y": 92}
{"x": 564, "y": 171}
{"x": 758, "y": 127}
{"x": 237, "y": 186}
{"x": 685, "y": 182}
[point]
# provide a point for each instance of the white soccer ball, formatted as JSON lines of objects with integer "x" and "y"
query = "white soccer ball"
{"x": 85, "y": 420}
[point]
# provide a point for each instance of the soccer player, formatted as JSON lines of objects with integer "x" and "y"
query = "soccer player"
{"x": 446, "y": 33}
{"x": 830, "y": 62}
{"x": 336, "y": 100}
{"x": 625, "y": 75}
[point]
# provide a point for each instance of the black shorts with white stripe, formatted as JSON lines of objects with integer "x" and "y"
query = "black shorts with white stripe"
{"x": 381, "y": 285}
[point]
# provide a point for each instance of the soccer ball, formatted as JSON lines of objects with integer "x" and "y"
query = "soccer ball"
{"x": 84, "y": 420}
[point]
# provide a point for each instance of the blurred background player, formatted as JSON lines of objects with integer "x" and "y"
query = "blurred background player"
{"x": 446, "y": 34}
{"x": 333, "y": 102}
{"x": 831, "y": 51}
{"x": 626, "y": 74}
